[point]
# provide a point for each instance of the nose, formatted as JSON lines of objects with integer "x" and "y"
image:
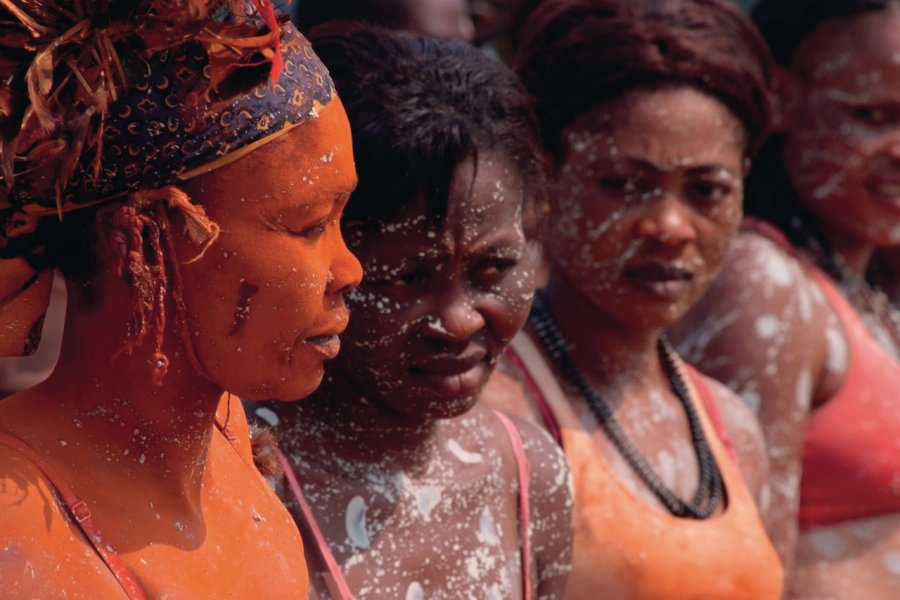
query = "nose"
{"x": 668, "y": 222}
{"x": 346, "y": 272}
{"x": 456, "y": 318}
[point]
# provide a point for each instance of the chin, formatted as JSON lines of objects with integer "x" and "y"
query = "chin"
{"x": 290, "y": 390}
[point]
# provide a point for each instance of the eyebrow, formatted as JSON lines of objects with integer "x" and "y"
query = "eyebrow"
{"x": 702, "y": 169}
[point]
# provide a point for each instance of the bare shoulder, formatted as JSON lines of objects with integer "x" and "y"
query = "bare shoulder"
{"x": 41, "y": 554}
{"x": 763, "y": 316}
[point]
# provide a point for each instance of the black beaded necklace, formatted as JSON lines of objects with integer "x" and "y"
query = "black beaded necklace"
{"x": 710, "y": 489}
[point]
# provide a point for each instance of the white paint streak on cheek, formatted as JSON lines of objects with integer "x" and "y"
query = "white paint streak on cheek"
{"x": 487, "y": 528}
{"x": 831, "y": 185}
{"x": 469, "y": 458}
{"x": 355, "y": 522}
{"x": 767, "y": 326}
{"x": 891, "y": 562}
{"x": 415, "y": 591}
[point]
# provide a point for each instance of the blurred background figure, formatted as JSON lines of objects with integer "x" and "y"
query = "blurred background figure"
{"x": 440, "y": 19}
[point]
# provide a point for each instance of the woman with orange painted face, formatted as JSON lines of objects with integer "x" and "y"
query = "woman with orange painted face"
{"x": 185, "y": 167}
{"x": 403, "y": 486}
{"x": 792, "y": 325}
{"x": 650, "y": 111}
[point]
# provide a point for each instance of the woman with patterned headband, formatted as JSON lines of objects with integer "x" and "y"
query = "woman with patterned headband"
{"x": 129, "y": 132}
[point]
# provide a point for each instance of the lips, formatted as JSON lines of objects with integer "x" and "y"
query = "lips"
{"x": 451, "y": 375}
{"x": 668, "y": 281}
{"x": 328, "y": 342}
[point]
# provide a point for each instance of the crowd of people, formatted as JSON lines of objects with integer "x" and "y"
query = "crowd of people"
{"x": 538, "y": 299}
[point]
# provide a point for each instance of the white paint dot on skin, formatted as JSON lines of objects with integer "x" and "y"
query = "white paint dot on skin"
{"x": 469, "y": 458}
{"x": 487, "y": 528}
{"x": 804, "y": 387}
{"x": 268, "y": 415}
{"x": 415, "y": 591}
{"x": 767, "y": 326}
{"x": 355, "y": 522}
{"x": 828, "y": 544}
{"x": 837, "y": 357}
{"x": 780, "y": 273}
{"x": 891, "y": 562}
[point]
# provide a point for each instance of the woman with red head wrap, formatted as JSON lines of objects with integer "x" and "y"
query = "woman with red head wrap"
{"x": 185, "y": 166}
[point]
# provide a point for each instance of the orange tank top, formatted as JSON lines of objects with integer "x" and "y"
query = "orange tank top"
{"x": 628, "y": 550}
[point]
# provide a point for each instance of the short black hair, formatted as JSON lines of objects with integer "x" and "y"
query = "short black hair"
{"x": 418, "y": 108}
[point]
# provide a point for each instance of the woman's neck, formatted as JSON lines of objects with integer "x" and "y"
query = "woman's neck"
{"x": 341, "y": 431}
{"x": 854, "y": 252}
{"x": 104, "y": 408}
{"x": 610, "y": 356}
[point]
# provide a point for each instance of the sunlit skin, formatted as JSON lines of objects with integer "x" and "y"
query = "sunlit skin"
{"x": 765, "y": 328}
{"x": 411, "y": 482}
{"x": 180, "y": 504}
{"x": 645, "y": 201}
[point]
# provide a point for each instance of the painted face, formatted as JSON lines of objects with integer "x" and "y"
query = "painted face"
{"x": 842, "y": 150}
{"x": 265, "y": 304}
{"x": 645, "y": 202}
{"x": 440, "y": 302}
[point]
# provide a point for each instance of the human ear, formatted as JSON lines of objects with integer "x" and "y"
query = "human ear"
{"x": 787, "y": 89}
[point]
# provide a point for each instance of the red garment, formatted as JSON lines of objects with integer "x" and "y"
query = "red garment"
{"x": 851, "y": 458}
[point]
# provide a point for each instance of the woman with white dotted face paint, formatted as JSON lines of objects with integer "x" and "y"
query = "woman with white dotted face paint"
{"x": 405, "y": 486}
{"x": 793, "y": 326}
{"x": 650, "y": 122}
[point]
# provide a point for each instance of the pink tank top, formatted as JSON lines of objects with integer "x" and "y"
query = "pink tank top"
{"x": 335, "y": 580}
{"x": 851, "y": 458}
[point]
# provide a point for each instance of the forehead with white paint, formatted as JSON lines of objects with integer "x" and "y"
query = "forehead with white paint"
{"x": 669, "y": 127}
{"x": 860, "y": 55}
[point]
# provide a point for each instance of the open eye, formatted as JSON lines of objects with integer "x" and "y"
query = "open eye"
{"x": 709, "y": 191}
{"x": 489, "y": 271}
{"x": 875, "y": 116}
{"x": 618, "y": 184}
{"x": 313, "y": 231}
{"x": 413, "y": 277}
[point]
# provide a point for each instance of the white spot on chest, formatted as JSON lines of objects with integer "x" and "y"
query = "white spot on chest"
{"x": 355, "y": 522}
{"x": 415, "y": 591}
{"x": 470, "y": 458}
{"x": 426, "y": 496}
{"x": 487, "y": 528}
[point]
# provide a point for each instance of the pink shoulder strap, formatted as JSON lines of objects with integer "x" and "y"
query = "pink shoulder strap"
{"x": 543, "y": 406}
{"x": 522, "y": 469}
{"x": 337, "y": 584}
{"x": 81, "y": 515}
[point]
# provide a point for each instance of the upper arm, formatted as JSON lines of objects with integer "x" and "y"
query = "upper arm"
{"x": 551, "y": 510}
{"x": 760, "y": 330}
